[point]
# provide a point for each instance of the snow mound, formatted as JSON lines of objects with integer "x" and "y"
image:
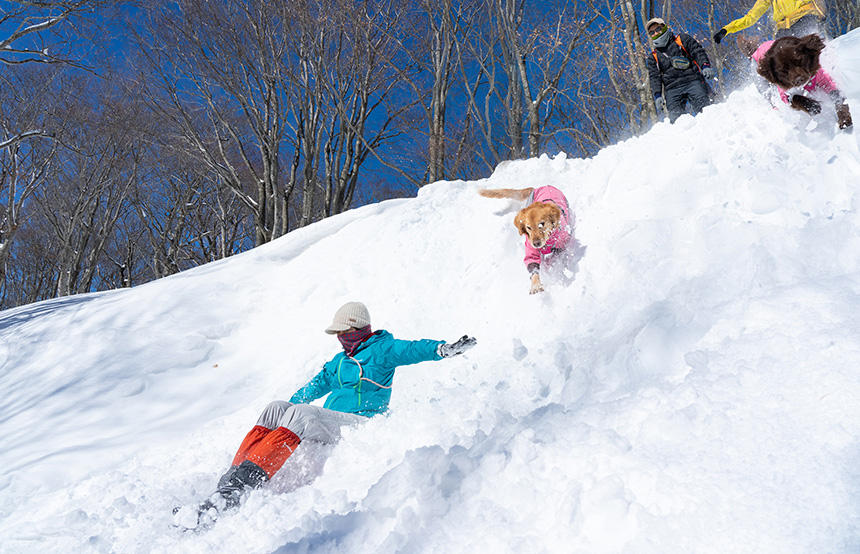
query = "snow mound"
{"x": 694, "y": 389}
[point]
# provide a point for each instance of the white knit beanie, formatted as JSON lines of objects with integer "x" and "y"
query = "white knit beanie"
{"x": 351, "y": 314}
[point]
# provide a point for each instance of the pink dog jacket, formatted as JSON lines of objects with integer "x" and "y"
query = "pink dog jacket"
{"x": 560, "y": 237}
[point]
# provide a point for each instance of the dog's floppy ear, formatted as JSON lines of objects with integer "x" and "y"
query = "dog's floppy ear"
{"x": 554, "y": 215}
{"x": 812, "y": 44}
{"x": 520, "y": 222}
{"x": 765, "y": 69}
{"x": 772, "y": 66}
{"x": 810, "y": 48}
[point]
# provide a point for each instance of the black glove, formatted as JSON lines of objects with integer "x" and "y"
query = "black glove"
{"x": 718, "y": 36}
{"x": 463, "y": 343}
{"x": 808, "y": 105}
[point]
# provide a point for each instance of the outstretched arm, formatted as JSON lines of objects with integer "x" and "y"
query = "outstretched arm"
{"x": 406, "y": 352}
{"x": 750, "y": 18}
{"x": 317, "y": 387}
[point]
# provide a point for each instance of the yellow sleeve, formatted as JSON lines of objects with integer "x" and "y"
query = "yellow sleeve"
{"x": 751, "y": 17}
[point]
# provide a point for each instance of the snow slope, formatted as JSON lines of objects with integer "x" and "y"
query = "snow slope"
{"x": 695, "y": 389}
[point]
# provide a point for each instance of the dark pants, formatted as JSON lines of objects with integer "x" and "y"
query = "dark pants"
{"x": 806, "y": 25}
{"x": 694, "y": 92}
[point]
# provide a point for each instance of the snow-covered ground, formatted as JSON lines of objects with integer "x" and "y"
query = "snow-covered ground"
{"x": 695, "y": 389}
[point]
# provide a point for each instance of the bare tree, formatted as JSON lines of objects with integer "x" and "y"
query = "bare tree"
{"x": 542, "y": 58}
{"x": 592, "y": 117}
{"x": 28, "y": 271}
{"x": 22, "y": 170}
{"x": 619, "y": 46}
{"x": 515, "y": 65}
{"x": 428, "y": 67}
{"x": 842, "y": 16}
{"x": 361, "y": 89}
{"x": 307, "y": 104}
{"x": 185, "y": 218}
{"x": 506, "y": 17}
{"x": 89, "y": 191}
{"x": 250, "y": 85}
{"x": 476, "y": 62}
{"x": 24, "y": 162}
{"x": 263, "y": 116}
{"x": 29, "y": 24}
{"x": 218, "y": 66}
{"x": 33, "y": 33}
{"x": 344, "y": 107}
{"x": 443, "y": 21}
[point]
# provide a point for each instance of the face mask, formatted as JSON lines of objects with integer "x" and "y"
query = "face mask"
{"x": 352, "y": 339}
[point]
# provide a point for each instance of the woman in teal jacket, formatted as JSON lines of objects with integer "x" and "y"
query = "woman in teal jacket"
{"x": 358, "y": 381}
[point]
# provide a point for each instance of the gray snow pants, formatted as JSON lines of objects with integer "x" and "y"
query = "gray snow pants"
{"x": 308, "y": 422}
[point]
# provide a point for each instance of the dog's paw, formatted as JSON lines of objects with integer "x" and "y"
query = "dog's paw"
{"x": 537, "y": 286}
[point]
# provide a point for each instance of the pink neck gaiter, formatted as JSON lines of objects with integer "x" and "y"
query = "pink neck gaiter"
{"x": 351, "y": 340}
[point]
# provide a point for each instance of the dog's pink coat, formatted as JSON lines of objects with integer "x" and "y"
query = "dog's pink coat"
{"x": 559, "y": 239}
{"x": 820, "y": 81}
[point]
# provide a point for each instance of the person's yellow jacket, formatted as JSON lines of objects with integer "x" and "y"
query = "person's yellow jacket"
{"x": 785, "y": 13}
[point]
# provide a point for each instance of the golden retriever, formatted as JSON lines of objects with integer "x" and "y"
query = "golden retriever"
{"x": 545, "y": 222}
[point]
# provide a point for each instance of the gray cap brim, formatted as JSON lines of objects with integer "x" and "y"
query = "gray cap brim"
{"x": 335, "y": 329}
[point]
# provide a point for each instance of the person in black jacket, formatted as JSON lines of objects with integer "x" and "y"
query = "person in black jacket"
{"x": 679, "y": 65}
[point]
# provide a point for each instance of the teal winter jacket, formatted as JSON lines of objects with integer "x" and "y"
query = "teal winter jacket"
{"x": 361, "y": 383}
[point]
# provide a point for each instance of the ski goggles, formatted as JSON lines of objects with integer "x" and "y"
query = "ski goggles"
{"x": 658, "y": 32}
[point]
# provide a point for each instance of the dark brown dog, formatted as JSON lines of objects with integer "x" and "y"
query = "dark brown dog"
{"x": 793, "y": 62}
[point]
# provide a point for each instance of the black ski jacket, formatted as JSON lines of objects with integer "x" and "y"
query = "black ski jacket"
{"x": 666, "y": 75}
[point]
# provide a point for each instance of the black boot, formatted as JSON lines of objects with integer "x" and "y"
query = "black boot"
{"x": 233, "y": 484}
{"x": 231, "y": 487}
